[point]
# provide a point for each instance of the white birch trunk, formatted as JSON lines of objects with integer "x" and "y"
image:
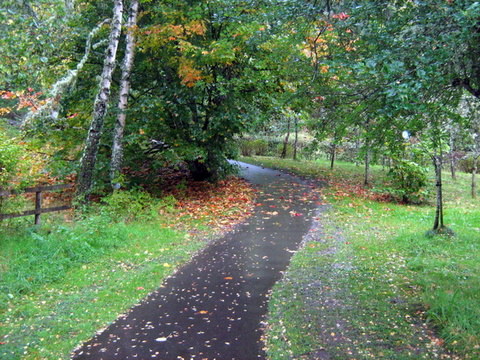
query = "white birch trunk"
{"x": 89, "y": 158}
{"x": 117, "y": 149}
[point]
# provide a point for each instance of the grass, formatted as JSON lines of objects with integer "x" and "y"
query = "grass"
{"x": 387, "y": 277}
{"x": 62, "y": 283}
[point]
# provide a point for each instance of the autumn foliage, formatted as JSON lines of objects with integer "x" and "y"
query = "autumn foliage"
{"x": 221, "y": 205}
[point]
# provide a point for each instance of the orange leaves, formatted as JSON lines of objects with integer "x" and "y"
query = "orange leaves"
{"x": 26, "y": 99}
{"x": 319, "y": 98}
{"x": 220, "y": 205}
{"x": 171, "y": 32}
{"x": 188, "y": 74}
{"x": 341, "y": 16}
{"x": 7, "y": 95}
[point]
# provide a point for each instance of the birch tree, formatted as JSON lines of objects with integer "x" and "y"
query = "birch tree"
{"x": 89, "y": 158}
{"x": 117, "y": 150}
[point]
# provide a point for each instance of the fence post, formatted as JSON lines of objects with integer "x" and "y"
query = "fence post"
{"x": 38, "y": 206}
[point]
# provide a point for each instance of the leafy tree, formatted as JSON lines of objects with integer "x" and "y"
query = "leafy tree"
{"x": 213, "y": 69}
{"x": 407, "y": 66}
{"x": 33, "y": 43}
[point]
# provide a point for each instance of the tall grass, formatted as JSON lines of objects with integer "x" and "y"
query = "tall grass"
{"x": 60, "y": 283}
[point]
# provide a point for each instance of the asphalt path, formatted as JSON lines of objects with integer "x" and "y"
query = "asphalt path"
{"x": 214, "y": 307}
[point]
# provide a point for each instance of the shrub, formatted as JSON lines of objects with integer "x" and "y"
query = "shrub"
{"x": 466, "y": 164}
{"x": 17, "y": 170}
{"x": 246, "y": 148}
{"x": 260, "y": 147}
{"x": 249, "y": 147}
{"x": 134, "y": 205}
{"x": 408, "y": 182}
{"x": 11, "y": 163}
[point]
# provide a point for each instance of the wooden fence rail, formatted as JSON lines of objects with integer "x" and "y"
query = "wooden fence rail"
{"x": 38, "y": 190}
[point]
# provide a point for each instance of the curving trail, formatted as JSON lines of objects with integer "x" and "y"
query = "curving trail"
{"x": 213, "y": 307}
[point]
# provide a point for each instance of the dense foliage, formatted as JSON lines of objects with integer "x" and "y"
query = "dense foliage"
{"x": 347, "y": 72}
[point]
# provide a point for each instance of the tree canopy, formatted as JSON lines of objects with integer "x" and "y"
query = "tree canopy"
{"x": 207, "y": 72}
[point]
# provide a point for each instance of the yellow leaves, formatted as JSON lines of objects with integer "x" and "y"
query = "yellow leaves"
{"x": 188, "y": 74}
{"x": 324, "y": 69}
{"x": 196, "y": 27}
{"x": 4, "y": 111}
{"x": 171, "y": 32}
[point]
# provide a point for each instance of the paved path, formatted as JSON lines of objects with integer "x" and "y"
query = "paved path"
{"x": 213, "y": 307}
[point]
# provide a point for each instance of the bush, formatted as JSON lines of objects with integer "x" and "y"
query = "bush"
{"x": 15, "y": 172}
{"x": 408, "y": 182}
{"x": 466, "y": 164}
{"x": 135, "y": 205}
{"x": 11, "y": 162}
{"x": 249, "y": 147}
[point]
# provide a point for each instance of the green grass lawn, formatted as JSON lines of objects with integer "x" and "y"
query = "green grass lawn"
{"x": 388, "y": 277}
{"x": 67, "y": 300}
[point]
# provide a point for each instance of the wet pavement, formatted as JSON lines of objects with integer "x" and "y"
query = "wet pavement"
{"x": 213, "y": 307}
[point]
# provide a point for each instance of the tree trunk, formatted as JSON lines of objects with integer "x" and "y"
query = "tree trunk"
{"x": 295, "y": 144}
{"x": 438, "y": 223}
{"x": 333, "y": 152}
{"x": 474, "y": 180}
{"x": 452, "y": 155}
{"x": 283, "y": 155}
{"x": 357, "y": 146}
{"x": 117, "y": 150}
{"x": 89, "y": 158}
{"x": 367, "y": 167}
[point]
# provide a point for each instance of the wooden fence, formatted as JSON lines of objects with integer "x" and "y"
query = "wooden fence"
{"x": 38, "y": 190}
